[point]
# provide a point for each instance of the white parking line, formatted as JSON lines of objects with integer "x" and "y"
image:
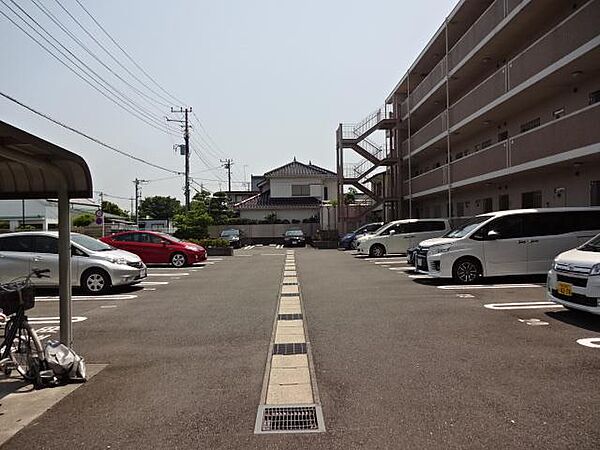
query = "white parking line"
{"x": 54, "y": 298}
{"x": 391, "y": 262}
{"x": 489, "y": 286}
{"x": 153, "y": 283}
{"x": 272, "y": 254}
{"x": 465, "y": 295}
{"x": 108, "y": 306}
{"x": 383, "y": 259}
{"x": 402, "y": 269}
{"x": 534, "y": 322}
{"x": 242, "y": 255}
{"x": 522, "y": 305}
{"x": 215, "y": 259}
{"x": 168, "y": 274}
{"x": 53, "y": 320}
{"x": 419, "y": 277}
{"x": 149, "y": 289}
{"x": 589, "y": 342}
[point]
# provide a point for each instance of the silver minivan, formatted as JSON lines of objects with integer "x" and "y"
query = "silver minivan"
{"x": 95, "y": 266}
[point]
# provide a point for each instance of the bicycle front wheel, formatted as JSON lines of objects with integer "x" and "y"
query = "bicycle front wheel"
{"x": 26, "y": 351}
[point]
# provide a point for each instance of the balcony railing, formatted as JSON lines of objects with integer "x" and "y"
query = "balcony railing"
{"x": 429, "y": 180}
{"x": 483, "y": 94}
{"x": 429, "y": 131}
{"x": 485, "y": 161}
{"x": 403, "y": 109}
{"x": 436, "y": 75}
{"x": 580, "y": 28}
{"x": 384, "y": 112}
{"x": 567, "y": 133}
{"x": 478, "y": 31}
{"x": 356, "y": 170}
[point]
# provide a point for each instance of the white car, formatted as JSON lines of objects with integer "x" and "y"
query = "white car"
{"x": 400, "y": 235}
{"x": 95, "y": 266}
{"x": 517, "y": 242}
{"x": 574, "y": 280}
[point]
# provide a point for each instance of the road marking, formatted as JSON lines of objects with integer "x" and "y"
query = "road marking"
{"x": 403, "y": 269}
{"x": 534, "y": 322}
{"x": 215, "y": 259}
{"x": 168, "y": 274}
{"x": 53, "y": 320}
{"x": 55, "y": 298}
{"x": 390, "y": 262}
{"x": 108, "y": 306}
{"x": 149, "y": 289}
{"x": 272, "y": 254}
{"x": 589, "y": 342}
{"x": 242, "y": 255}
{"x": 153, "y": 283}
{"x": 465, "y": 295}
{"x": 419, "y": 277}
{"x": 522, "y": 305}
{"x": 489, "y": 286}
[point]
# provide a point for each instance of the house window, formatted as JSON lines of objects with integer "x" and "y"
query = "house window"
{"x": 531, "y": 199}
{"x": 530, "y": 125}
{"x": 594, "y": 97}
{"x": 502, "y": 136}
{"x": 503, "y": 203}
{"x": 488, "y": 205}
{"x": 558, "y": 113}
{"x": 300, "y": 190}
{"x": 595, "y": 193}
{"x": 325, "y": 193}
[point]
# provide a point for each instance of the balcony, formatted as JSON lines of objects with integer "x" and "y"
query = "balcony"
{"x": 430, "y": 131}
{"x": 483, "y": 94}
{"x": 429, "y": 180}
{"x": 478, "y": 31}
{"x": 570, "y": 132}
{"x": 432, "y": 79}
{"x": 574, "y": 32}
{"x": 485, "y": 161}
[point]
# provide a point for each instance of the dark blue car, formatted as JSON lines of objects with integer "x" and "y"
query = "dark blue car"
{"x": 348, "y": 242}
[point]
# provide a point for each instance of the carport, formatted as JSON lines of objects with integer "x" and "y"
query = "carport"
{"x": 32, "y": 168}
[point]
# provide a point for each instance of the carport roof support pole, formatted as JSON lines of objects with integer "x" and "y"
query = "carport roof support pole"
{"x": 64, "y": 267}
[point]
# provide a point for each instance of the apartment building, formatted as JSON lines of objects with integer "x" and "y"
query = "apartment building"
{"x": 501, "y": 110}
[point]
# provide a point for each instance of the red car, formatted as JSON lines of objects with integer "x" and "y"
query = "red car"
{"x": 157, "y": 248}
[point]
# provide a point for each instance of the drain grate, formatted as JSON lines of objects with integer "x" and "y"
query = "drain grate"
{"x": 289, "y": 317}
{"x": 289, "y": 349}
{"x": 289, "y": 419}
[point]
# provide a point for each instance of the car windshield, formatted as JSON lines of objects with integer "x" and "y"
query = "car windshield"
{"x": 89, "y": 243}
{"x": 593, "y": 245}
{"x": 226, "y": 233}
{"x": 294, "y": 233}
{"x": 467, "y": 227}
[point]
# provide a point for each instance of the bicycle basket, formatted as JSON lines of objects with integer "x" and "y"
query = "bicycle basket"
{"x": 11, "y": 300}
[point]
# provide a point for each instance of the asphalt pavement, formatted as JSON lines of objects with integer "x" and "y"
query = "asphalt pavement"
{"x": 401, "y": 361}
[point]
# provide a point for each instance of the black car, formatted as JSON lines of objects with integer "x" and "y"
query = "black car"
{"x": 294, "y": 238}
{"x": 233, "y": 236}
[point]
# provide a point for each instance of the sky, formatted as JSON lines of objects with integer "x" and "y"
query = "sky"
{"x": 269, "y": 80}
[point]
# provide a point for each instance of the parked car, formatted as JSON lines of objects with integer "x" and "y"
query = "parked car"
{"x": 293, "y": 238}
{"x": 157, "y": 248}
{"x": 95, "y": 266}
{"x": 574, "y": 280}
{"x": 517, "y": 242}
{"x": 400, "y": 235}
{"x": 349, "y": 241}
{"x": 233, "y": 236}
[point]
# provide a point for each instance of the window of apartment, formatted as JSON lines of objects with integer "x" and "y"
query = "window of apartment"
{"x": 502, "y": 136}
{"x": 594, "y": 97}
{"x": 530, "y": 125}
{"x": 595, "y": 193}
{"x": 531, "y": 199}
{"x": 460, "y": 209}
{"x": 485, "y": 144}
{"x": 325, "y": 193}
{"x": 300, "y": 190}
{"x": 503, "y": 202}
{"x": 557, "y": 114}
{"x": 488, "y": 204}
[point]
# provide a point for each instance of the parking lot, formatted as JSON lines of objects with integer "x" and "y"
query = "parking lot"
{"x": 400, "y": 360}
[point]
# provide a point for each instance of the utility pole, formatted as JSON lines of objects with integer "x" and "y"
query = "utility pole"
{"x": 102, "y": 209}
{"x": 227, "y": 163}
{"x": 186, "y": 140}
{"x": 137, "y": 183}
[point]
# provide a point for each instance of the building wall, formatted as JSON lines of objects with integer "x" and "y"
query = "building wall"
{"x": 282, "y": 187}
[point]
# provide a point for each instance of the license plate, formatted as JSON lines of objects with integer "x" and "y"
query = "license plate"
{"x": 565, "y": 289}
{"x": 143, "y": 273}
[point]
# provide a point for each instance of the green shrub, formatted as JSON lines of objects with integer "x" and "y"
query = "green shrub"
{"x": 84, "y": 220}
{"x": 211, "y": 242}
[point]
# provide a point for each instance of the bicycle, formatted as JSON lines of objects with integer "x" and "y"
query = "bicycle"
{"x": 21, "y": 348}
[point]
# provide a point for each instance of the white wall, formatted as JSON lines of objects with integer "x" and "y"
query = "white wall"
{"x": 282, "y": 187}
{"x": 282, "y": 214}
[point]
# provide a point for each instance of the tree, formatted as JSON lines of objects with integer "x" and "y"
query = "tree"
{"x": 350, "y": 196}
{"x": 193, "y": 224}
{"x": 83, "y": 220}
{"x": 159, "y": 207}
{"x": 113, "y": 208}
{"x": 218, "y": 207}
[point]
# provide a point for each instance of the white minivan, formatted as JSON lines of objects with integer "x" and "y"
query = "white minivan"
{"x": 574, "y": 280}
{"x": 516, "y": 242}
{"x": 400, "y": 235}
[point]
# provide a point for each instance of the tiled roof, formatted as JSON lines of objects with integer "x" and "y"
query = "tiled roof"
{"x": 298, "y": 169}
{"x": 265, "y": 201}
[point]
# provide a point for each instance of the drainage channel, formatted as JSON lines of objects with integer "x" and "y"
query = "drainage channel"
{"x": 290, "y": 399}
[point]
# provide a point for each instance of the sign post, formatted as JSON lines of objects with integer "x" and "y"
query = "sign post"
{"x": 100, "y": 219}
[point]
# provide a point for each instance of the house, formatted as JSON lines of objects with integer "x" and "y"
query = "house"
{"x": 294, "y": 192}
{"x": 39, "y": 213}
{"x": 240, "y": 196}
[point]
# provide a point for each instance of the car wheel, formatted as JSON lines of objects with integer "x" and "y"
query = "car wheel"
{"x": 466, "y": 270}
{"x": 178, "y": 260}
{"x": 95, "y": 282}
{"x": 377, "y": 251}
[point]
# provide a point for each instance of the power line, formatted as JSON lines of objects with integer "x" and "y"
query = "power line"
{"x": 87, "y": 136}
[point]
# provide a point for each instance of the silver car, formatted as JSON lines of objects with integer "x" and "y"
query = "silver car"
{"x": 95, "y": 266}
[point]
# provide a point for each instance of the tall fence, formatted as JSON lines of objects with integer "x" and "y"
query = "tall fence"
{"x": 264, "y": 233}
